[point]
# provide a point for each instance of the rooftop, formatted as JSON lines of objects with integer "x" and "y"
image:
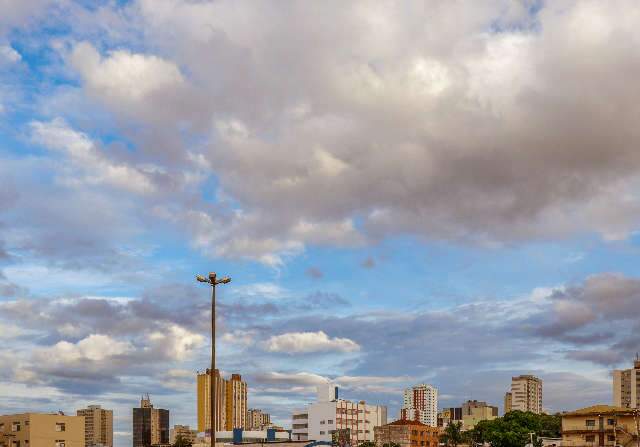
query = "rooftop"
{"x": 598, "y": 409}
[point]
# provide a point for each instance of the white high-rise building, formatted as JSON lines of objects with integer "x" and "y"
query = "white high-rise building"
{"x": 320, "y": 420}
{"x": 525, "y": 394}
{"x": 626, "y": 386}
{"x": 420, "y": 403}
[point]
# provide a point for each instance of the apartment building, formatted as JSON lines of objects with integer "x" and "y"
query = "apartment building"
{"x": 420, "y": 403}
{"x": 324, "y": 419}
{"x": 507, "y": 402}
{"x": 525, "y": 394}
{"x": 182, "y": 431}
{"x": 626, "y": 386}
{"x": 258, "y": 419}
{"x": 406, "y": 433}
{"x": 41, "y": 430}
{"x": 599, "y": 426}
{"x": 449, "y": 415}
{"x": 98, "y": 426}
{"x": 236, "y": 403}
{"x": 150, "y": 425}
{"x": 231, "y": 410}
{"x": 474, "y": 411}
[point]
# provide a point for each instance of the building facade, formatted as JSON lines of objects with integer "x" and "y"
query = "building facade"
{"x": 300, "y": 425}
{"x": 231, "y": 402}
{"x": 236, "y": 403}
{"x": 626, "y": 386}
{"x": 449, "y": 415}
{"x": 150, "y": 425}
{"x": 525, "y": 394}
{"x": 98, "y": 426}
{"x": 420, "y": 403}
{"x": 406, "y": 433}
{"x": 599, "y": 426}
{"x": 474, "y": 411}
{"x": 507, "y": 402}
{"x": 41, "y": 430}
{"x": 323, "y": 420}
{"x": 182, "y": 431}
{"x": 258, "y": 419}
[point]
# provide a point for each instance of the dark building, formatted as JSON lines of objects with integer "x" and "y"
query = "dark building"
{"x": 150, "y": 425}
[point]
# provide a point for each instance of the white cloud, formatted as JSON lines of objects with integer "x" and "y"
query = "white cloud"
{"x": 86, "y": 157}
{"x": 9, "y": 54}
{"x": 93, "y": 348}
{"x": 125, "y": 76}
{"x": 176, "y": 343}
{"x": 307, "y": 342}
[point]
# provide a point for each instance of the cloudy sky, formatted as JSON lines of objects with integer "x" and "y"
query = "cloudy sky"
{"x": 433, "y": 191}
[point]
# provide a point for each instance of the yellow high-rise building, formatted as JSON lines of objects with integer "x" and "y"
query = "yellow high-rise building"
{"x": 98, "y": 426}
{"x": 231, "y": 402}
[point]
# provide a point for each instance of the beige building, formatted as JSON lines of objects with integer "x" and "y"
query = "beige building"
{"x": 474, "y": 411}
{"x": 41, "y": 430}
{"x": 507, "y": 402}
{"x": 525, "y": 394}
{"x": 98, "y": 426}
{"x": 183, "y": 431}
{"x": 626, "y": 386}
{"x": 230, "y": 402}
{"x": 257, "y": 419}
{"x": 600, "y": 426}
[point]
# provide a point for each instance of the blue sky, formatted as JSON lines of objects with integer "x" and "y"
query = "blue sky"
{"x": 402, "y": 192}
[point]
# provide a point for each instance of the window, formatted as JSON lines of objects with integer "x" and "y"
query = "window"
{"x": 15, "y": 426}
{"x": 60, "y": 426}
{"x": 1, "y": 426}
{"x": 59, "y": 442}
{"x": 591, "y": 422}
{"x": 322, "y": 433}
{"x": 15, "y": 443}
{"x": 590, "y": 438}
{"x": 321, "y": 422}
{"x": 611, "y": 421}
{"x": 611, "y": 438}
{"x": 330, "y": 421}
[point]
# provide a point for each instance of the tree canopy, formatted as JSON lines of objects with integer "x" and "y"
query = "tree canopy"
{"x": 512, "y": 430}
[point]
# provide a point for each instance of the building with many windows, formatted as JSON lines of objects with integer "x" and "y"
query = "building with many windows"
{"x": 258, "y": 419}
{"x": 98, "y": 426}
{"x": 325, "y": 419}
{"x": 230, "y": 402}
{"x": 474, "y": 411}
{"x": 599, "y": 426}
{"x": 150, "y": 425}
{"x": 184, "y": 432}
{"x": 525, "y": 394}
{"x": 41, "y": 430}
{"x": 420, "y": 403}
{"x": 626, "y": 386}
{"x": 406, "y": 433}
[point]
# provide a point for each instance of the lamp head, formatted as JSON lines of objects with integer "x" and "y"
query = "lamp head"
{"x": 201, "y": 278}
{"x": 225, "y": 280}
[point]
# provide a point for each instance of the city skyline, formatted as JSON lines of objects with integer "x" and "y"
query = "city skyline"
{"x": 403, "y": 193}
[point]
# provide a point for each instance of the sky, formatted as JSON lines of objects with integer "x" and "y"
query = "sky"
{"x": 403, "y": 192}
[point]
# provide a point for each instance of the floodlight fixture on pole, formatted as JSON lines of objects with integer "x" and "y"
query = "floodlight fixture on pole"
{"x": 213, "y": 281}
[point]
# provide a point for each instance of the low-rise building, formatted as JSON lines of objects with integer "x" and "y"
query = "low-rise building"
{"x": 183, "y": 431}
{"x": 406, "y": 433}
{"x": 474, "y": 411}
{"x": 258, "y": 419}
{"x": 449, "y": 415}
{"x": 599, "y": 426}
{"x": 41, "y": 430}
{"x": 322, "y": 420}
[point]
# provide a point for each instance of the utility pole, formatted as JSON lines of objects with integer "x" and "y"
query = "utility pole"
{"x": 213, "y": 282}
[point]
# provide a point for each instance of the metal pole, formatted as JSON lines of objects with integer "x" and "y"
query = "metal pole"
{"x": 212, "y": 377}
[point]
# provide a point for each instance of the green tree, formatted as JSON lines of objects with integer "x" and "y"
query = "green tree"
{"x": 512, "y": 430}
{"x": 453, "y": 434}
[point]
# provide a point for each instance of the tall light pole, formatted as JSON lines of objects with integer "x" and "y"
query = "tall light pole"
{"x": 213, "y": 282}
